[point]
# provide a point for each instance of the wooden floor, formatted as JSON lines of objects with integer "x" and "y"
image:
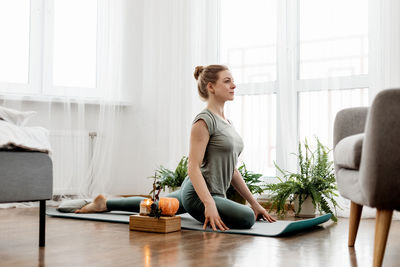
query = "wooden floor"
{"x": 88, "y": 243}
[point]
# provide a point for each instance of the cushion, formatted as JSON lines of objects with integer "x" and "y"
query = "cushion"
{"x": 347, "y": 152}
{"x": 72, "y": 205}
{"x": 19, "y": 118}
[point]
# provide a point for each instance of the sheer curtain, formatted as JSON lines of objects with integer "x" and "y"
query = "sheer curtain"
{"x": 321, "y": 65}
{"x": 167, "y": 40}
{"x": 344, "y": 60}
{"x": 79, "y": 96}
{"x": 118, "y": 93}
{"x": 327, "y": 48}
{"x": 293, "y": 69}
{"x": 384, "y": 42}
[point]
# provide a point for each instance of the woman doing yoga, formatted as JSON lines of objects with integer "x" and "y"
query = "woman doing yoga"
{"x": 214, "y": 150}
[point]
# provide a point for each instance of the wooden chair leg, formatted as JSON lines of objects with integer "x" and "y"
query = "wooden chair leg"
{"x": 383, "y": 221}
{"x": 355, "y": 216}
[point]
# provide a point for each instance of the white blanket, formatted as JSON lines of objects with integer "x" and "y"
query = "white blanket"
{"x": 29, "y": 138}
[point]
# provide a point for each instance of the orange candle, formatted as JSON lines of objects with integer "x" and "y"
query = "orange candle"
{"x": 145, "y": 206}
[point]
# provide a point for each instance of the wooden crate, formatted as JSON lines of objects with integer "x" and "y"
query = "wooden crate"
{"x": 151, "y": 224}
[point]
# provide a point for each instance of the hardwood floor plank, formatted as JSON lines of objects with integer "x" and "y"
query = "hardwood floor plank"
{"x": 89, "y": 243}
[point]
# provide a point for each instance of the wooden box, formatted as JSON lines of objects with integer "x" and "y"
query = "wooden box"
{"x": 152, "y": 224}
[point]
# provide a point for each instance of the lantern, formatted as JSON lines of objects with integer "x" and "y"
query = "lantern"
{"x": 145, "y": 206}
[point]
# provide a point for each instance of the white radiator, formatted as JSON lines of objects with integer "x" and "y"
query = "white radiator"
{"x": 71, "y": 154}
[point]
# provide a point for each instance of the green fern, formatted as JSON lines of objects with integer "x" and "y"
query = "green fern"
{"x": 252, "y": 180}
{"x": 172, "y": 179}
{"x": 316, "y": 179}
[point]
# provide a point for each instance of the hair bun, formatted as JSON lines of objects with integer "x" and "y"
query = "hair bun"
{"x": 198, "y": 70}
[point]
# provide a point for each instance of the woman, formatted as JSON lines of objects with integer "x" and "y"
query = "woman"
{"x": 214, "y": 149}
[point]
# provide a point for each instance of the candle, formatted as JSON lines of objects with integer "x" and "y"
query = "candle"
{"x": 145, "y": 206}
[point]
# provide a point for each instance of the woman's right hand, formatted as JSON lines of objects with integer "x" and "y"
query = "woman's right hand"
{"x": 212, "y": 217}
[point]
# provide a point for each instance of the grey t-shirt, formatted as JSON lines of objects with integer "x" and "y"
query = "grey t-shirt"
{"x": 222, "y": 152}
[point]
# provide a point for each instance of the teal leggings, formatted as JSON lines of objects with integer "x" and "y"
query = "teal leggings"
{"x": 234, "y": 215}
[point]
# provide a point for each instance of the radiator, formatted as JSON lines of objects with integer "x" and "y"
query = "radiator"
{"x": 71, "y": 154}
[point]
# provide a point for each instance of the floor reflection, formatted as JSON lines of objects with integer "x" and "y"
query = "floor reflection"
{"x": 42, "y": 256}
{"x": 352, "y": 257}
{"x": 322, "y": 246}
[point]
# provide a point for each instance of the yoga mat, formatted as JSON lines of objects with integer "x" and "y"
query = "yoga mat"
{"x": 260, "y": 228}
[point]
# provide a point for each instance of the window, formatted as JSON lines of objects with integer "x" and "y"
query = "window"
{"x": 14, "y": 47}
{"x": 248, "y": 43}
{"x": 320, "y": 48}
{"x": 249, "y": 112}
{"x": 248, "y": 47}
{"x": 317, "y": 110}
{"x": 74, "y": 43}
{"x": 45, "y": 52}
{"x": 333, "y": 63}
{"x": 333, "y": 38}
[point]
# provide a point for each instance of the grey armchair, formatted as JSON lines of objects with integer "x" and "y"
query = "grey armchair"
{"x": 367, "y": 163}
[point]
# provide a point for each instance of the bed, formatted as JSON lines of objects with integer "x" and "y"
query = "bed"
{"x": 27, "y": 176}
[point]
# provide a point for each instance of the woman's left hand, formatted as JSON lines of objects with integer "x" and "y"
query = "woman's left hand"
{"x": 261, "y": 213}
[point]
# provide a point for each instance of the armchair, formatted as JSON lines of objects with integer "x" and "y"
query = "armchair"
{"x": 367, "y": 163}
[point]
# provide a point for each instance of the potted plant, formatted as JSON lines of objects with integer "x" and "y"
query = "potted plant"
{"x": 172, "y": 179}
{"x": 314, "y": 183}
{"x": 253, "y": 182}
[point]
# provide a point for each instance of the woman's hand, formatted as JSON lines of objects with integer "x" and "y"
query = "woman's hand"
{"x": 261, "y": 213}
{"x": 212, "y": 217}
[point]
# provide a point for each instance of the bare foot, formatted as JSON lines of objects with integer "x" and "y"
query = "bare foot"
{"x": 98, "y": 205}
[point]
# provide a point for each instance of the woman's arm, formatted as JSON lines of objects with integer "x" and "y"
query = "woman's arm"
{"x": 240, "y": 186}
{"x": 199, "y": 138}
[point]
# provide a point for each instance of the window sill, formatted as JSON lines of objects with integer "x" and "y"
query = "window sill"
{"x": 61, "y": 99}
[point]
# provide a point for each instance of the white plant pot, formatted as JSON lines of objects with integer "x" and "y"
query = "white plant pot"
{"x": 307, "y": 208}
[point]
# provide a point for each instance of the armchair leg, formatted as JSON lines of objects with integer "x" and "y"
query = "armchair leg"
{"x": 355, "y": 216}
{"x": 42, "y": 223}
{"x": 383, "y": 221}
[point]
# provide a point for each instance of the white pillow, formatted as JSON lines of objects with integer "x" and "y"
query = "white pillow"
{"x": 19, "y": 118}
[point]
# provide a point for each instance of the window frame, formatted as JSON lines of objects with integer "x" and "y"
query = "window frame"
{"x": 35, "y": 58}
{"x": 40, "y": 79}
{"x": 288, "y": 53}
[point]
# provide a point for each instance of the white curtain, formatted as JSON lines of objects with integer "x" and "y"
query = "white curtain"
{"x": 384, "y": 42}
{"x": 83, "y": 131}
{"x": 321, "y": 67}
{"x": 167, "y": 40}
{"x": 333, "y": 68}
{"x": 384, "y": 57}
{"x": 148, "y": 51}
{"x": 384, "y": 63}
{"x": 383, "y": 67}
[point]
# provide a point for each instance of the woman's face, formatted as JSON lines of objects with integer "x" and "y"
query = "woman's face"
{"x": 224, "y": 88}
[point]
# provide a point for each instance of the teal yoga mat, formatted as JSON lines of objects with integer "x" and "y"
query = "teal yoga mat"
{"x": 260, "y": 228}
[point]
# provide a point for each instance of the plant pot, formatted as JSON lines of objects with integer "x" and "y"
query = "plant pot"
{"x": 307, "y": 208}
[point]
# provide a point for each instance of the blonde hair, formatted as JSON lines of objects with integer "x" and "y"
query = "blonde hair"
{"x": 205, "y": 75}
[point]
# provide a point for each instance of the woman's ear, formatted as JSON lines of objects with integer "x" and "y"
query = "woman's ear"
{"x": 210, "y": 88}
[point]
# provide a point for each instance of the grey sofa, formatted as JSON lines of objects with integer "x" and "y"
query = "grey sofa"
{"x": 367, "y": 163}
{"x": 27, "y": 176}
